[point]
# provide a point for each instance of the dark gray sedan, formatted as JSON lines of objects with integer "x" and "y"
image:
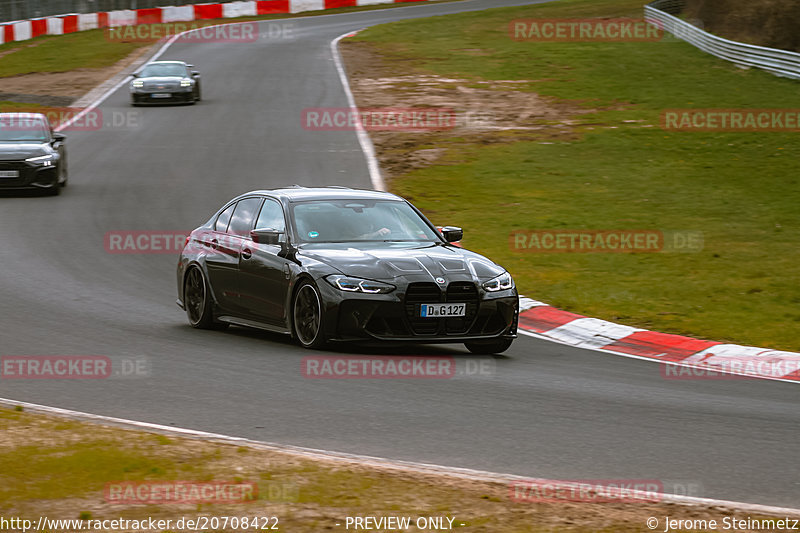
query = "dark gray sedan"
{"x": 165, "y": 82}
{"x": 32, "y": 155}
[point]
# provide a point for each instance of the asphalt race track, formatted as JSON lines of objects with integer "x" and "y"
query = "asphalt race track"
{"x": 547, "y": 410}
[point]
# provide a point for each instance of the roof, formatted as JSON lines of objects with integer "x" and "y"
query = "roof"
{"x": 299, "y": 194}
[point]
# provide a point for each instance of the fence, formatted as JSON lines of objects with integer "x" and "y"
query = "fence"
{"x": 663, "y": 13}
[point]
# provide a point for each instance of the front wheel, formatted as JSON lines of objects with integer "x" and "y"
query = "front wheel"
{"x": 62, "y": 171}
{"x": 307, "y": 316}
{"x": 489, "y": 347}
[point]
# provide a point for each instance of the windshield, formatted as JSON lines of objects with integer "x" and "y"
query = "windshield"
{"x": 23, "y": 129}
{"x": 359, "y": 220}
{"x": 163, "y": 70}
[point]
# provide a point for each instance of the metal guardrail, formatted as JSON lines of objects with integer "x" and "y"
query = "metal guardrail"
{"x": 662, "y": 13}
{"x": 29, "y": 9}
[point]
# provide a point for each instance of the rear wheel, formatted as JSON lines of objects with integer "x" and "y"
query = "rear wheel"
{"x": 489, "y": 347}
{"x": 307, "y": 316}
{"x": 198, "y": 303}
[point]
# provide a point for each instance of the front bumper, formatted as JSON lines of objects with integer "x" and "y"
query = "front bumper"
{"x": 183, "y": 94}
{"x": 396, "y": 316}
{"x": 30, "y": 176}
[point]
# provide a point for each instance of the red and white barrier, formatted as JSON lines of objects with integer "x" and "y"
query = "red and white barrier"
{"x": 63, "y": 24}
{"x": 704, "y": 359}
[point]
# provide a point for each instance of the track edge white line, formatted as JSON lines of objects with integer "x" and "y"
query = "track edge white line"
{"x": 366, "y": 460}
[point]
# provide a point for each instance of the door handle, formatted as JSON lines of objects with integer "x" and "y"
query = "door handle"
{"x": 247, "y": 253}
{"x": 214, "y": 243}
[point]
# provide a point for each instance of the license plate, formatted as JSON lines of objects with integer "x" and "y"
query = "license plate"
{"x": 161, "y": 95}
{"x": 9, "y": 173}
{"x": 442, "y": 310}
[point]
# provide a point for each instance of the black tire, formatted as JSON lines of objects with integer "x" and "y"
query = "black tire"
{"x": 197, "y": 301}
{"x": 55, "y": 190}
{"x": 199, "y": 93}
{"x": 307, "y": 314}
{"x": 64, "y": 173}
{"x": 489, "y": 347}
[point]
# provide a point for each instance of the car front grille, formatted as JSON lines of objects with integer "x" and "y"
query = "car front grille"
{"x": 422, "y": 293}
{"x": 430, "y": 293}
{"x": 462, "y": 292}
{"x": 23, "y": 169}
{"x": 160, "y": 86}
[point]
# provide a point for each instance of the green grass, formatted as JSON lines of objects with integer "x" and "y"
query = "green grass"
{"x": 739, "y": 189}
{"x": 62, "y": 53}
{"x": 58, "y": 468}
{"x": 72, "y": 471}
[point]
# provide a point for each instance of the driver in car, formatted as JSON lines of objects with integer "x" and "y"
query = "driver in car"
{"x": 375, "y": 234}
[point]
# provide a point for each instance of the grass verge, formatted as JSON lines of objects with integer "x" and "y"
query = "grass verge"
{"x": 615, "y": 169}
{"x": 60, "y": 468}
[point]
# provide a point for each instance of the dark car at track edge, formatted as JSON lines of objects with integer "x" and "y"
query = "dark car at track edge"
{"x": 338, "y": 264}
{"x": 165, "y": 82}
{"x": 32, "y": 155}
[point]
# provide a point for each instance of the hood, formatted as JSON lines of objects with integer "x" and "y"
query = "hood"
{"x": 411, "y": 261}
{"x": 162, "y": 79}
{"x": 15, "y": 151}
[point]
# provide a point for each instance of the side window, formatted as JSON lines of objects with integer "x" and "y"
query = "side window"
{"x": 244, "y": 215}
{"x": 222, "y": 220}
{"x": 271, "y": 216}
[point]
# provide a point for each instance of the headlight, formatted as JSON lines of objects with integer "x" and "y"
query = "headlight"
{"x": 138, "y": 84}
{"x": 503, "y": 282}
{"x": 44, "y": 160}
{"x": 186, "y": 83}
{"x": 348, "y": 284}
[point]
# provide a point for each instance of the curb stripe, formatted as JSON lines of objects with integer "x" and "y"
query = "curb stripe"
{"x": 550, "y": 323}
{"x": 22, "y": 30}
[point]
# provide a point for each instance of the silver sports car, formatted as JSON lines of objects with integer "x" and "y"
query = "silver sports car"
{"x": 165, "y": 82}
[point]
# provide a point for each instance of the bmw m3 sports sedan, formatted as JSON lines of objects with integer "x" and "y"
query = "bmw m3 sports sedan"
{"x": 165, "y": 82}
{"x": 337, "y": 264}
{"x": 32, "y": 155}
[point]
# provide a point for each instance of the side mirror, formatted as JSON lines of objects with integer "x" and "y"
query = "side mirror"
{"x": 267, "y": 236}
{"x": 135, "y": 74}
{"x": 59, "y": 137}
{"x": 195, "y": 74}
{"x": 452, "y": 233}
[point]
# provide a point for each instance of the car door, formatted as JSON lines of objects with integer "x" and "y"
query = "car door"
{"x": 225, "y": 246}
{"x": 263, "y": 274}
{"x": 220, "y": 266}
